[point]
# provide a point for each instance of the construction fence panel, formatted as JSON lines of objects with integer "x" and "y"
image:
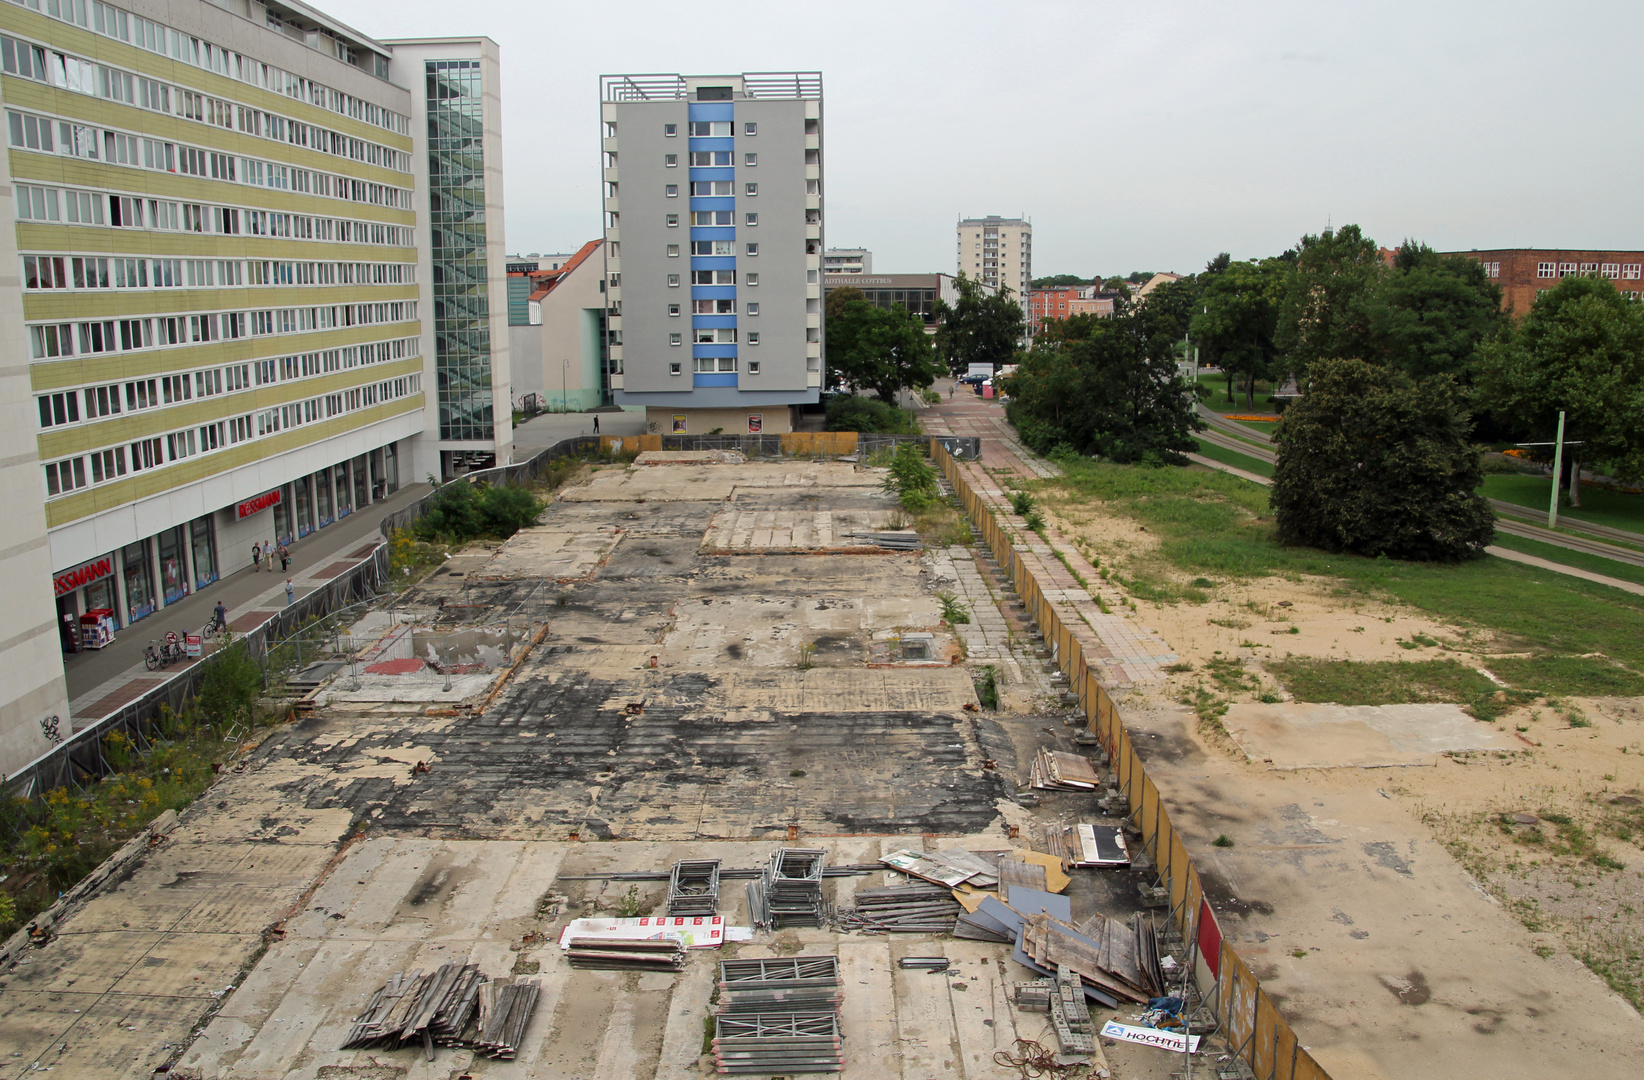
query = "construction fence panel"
{"x": 1252, "y": 1025}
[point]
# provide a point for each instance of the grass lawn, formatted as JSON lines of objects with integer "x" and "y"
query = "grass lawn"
{"x": 1235, "y": 459}
{"x": 1214, "y": 524}
{"x": 1598, "y": 564}
{"x": 1613, "y": 508}
{"x": 1215, "y": 386}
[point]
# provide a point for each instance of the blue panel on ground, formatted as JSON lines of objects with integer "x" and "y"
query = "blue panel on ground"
{"x": 713, "y": 262}
{"x": 710, "y": 110}
{"x": 711, "y": 144}
{"x": 718, "y": 378}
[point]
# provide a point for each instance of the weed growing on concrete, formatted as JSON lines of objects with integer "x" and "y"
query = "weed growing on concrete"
{"x": 807, "y": 656}
{"x": 629, "y": 906}
{"x": 1222, "y": 841}
{"x": 953, "y": 609}
{"x": 987, "y": 687}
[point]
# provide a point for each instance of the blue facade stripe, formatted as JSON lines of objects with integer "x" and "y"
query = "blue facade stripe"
{"x": 713, "y": 232}
{"x": 711, "y": 110}
{"x": 710, "y": 144}
{"x": 713, "y": 321}
{"x": 713, "y": 292}
{"x": 712, "y": 172}
{"x": 713, "y": 262}
{"x": 713, "y": 202}
{"x": 713, "y": 350}
{"x": 718, "y": 378}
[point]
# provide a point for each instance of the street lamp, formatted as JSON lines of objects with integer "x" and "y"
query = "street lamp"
{"x": 564, "y": 402}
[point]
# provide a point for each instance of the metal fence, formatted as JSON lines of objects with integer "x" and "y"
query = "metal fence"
{"x": 1254, "y": 1028}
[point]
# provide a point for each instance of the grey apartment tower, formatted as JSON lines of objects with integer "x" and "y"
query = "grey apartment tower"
{"x": 713, "y": 253}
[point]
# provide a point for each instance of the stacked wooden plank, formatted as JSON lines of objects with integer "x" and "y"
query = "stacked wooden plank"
{"x": 954, "y": 866}
{"x": 455, "y": 1005}
{"x": 1115, "y": 958}
{"x": 1058, "y": 770}
{"x": 632, "y": 954}
{"x": 902, "y": 909}
{"x": 779, "y": 1015}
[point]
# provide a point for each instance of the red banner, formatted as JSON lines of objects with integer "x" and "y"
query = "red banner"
{"x": 69, "y": 580}
{"x": 261, "y": 502}
{"x": 1210, "y": 939}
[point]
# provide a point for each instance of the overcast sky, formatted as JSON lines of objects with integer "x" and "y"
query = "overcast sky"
{"x": 1140, "y": 136}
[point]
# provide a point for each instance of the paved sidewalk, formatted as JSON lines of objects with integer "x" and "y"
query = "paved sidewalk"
{"x": 101, "y": 681}
{"x": 1117, "y": 645}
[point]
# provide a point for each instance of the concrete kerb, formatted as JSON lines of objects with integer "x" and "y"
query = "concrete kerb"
{"x": 1253, "y": 1027}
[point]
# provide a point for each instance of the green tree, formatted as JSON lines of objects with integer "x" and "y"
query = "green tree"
{"x": 1238, "y": 319}
{"x": 1056, "y": 281}
{"x": 1326, "y": 310}
{"x": 1433, "y": 313}
{"x": 229, "y": 688}
{"x": 839, "y": 297}
{"x": 880, "y": 349}
{"x": 1104, "y": 394}
{"x": 1376, "y": 463}
{"x": 978, "y": 329}
{"x": 1580, "y": 349}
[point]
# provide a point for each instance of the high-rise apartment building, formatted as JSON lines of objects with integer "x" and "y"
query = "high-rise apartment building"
{"x": 248, "y": 269}
{"x": 847, "y": 261}
{"x": 997, "y": 251}
{"x": 713, "y": 252}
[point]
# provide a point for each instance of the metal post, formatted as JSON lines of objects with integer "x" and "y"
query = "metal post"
{"x": 1558, "y": 472}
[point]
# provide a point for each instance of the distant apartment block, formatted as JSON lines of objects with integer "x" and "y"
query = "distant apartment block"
{"x": 1524, "y": 272}
{"x": 847, "y": 261}
{"x": 713, "y": 247}
{"x": 248, "y": 263}
{"x": 997, "y": 251}
{"x": 1065, "y": 301}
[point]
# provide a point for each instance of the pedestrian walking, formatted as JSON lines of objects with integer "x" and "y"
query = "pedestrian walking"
{"x": 268, "y": 556}
{"x": 256, "y": 556}
{"x": 290, "y": 593}
{"x": 285, "y": 558}
{"x": 596, "y": 423}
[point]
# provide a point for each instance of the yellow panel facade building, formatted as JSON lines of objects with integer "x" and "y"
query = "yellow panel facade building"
{"x": 227, "y": 318}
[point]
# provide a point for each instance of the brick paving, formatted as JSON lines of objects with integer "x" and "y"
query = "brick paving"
{"x": 127, "y": 693}
{"x": 1118, "y": 646}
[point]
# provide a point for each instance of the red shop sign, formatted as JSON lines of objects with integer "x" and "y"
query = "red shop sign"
{"x": 261, "y": 502}
{"x": 69, "y": 580}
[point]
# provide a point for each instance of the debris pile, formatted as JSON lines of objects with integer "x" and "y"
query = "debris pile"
{"x": 1058, "y": 770}
{"x": 693, "y": 887}
{"x": 455, "y": 1005}
{"x": 1119, "y": 959}
{"x": 779, "y": 1015}
{"x": 789, "y": 892}
{"x": 617, "y": 954}
{"x": 902, "y": 909}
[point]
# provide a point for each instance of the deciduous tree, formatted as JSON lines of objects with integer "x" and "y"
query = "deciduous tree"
{"x": 979, "y": 328}
{"x": 880, "y": 349}
{"x": 1326, "y": 309}
{"x": 1433, "y": 313}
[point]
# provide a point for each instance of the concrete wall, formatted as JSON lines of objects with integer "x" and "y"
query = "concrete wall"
{"x": 776, "y": 420}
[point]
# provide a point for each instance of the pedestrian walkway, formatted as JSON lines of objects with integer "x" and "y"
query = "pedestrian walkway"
{"x": 1112, "y": 637}
{"x": 101, "y": 681}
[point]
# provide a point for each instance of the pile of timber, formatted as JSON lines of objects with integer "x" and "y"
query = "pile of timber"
{"x": 1119, "y": 959}
{"x": 455, "y": 1005}
{"x": 902, "y": 909}
{"x": 631, "y": 954}
{"x": 1057, "y": 770}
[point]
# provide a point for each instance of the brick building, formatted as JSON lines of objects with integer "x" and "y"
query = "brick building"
{"x": 1065, "y": 301}
{"x": 1524, "y": 272}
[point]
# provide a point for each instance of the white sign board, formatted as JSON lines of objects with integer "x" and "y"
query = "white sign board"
{"x": 695, "y": 931}
{"x": 1164, "y": 1040}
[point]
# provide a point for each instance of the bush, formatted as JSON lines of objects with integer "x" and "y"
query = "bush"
{"x": 460, "y": 511}
{"x": 912, "y": 479}
{"x": 847, "y": 413}
{"x": 229, "y": 689}
{"x": 1374, "y": 463}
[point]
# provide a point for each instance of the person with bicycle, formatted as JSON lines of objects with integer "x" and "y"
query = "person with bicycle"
{"x": 219, "y": 617}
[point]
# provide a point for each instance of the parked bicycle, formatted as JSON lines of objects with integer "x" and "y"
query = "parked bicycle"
{"x": 211, "y": 631}
{"x": 172, "y": 651}
{"x": 154, "y": 656}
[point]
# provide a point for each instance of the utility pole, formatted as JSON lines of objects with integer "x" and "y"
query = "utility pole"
{"x": 1558, "y": 471}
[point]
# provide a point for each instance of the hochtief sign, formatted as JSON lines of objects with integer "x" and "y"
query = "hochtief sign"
{"x": 261, "y": 502}
{"x": 1164, "y": 1040}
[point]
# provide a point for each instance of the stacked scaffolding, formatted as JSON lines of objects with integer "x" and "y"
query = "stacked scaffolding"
{"x": 693, "y": 887}
{"x": 779, "y": 1015}
{"x": 789, "y": 892}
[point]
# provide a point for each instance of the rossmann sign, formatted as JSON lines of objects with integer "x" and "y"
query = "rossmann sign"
{"x": 69, "y": 580}
{"x": 261, "y": 502}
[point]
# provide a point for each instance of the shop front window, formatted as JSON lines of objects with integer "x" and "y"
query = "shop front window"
{"x": 345, "y": 499}
{"x": 173, "y": 574}
{"x": 100, "y": 595}
{"x": 139, "y": 579}
{"x": 282, "y": 522}
{"x": 204, "y": 540}
{"x": 392, "y": 462}
{"x": 323, "y": 490}
{"x": 362, "y": 493}
{"x": 305, "y": 508}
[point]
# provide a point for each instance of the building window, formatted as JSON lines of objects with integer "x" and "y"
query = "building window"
{"x": 753, "y": 367}
{"x": 672, "y": 221}
{"x": 711, "y": 365}
{"x": 676, "y": 339}
{"x": 673, "y": 311}
{"x": 750, "y": 160}
{"x": 723, "y": 335}
{"x": 673, "y": 251}
{"x": 1612, "y": 270}
{"x": 674, "y": 368}
{"x": 707, "y": 158}
{"x": 712, "y": 187}
{"x": 1589, "y": 268}
{"x": 713, "y": 307}
{"x": 1546, "y": 270}
{"x": 1629, "y": 271}
{"x": 669, "y": 131}
{"x": 673, "y": 281}
{"x": 753, "y": 279}
{"x": 718, "y": 129}
{"x": 753, "y": 219}
{"x": 670, "y": 161}
{"x": 750, "y": 128}
{"x": 713, "y": 217}
{"x": 753, "y": 249}
{"x": 751, "y": 189}
{"x": 1565, "y": 269}
{"x": 753, "y": 307}
{"x": 610, "y": 129}
{"x": 753, "y": 337}
{"x": 671, "y": 191}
